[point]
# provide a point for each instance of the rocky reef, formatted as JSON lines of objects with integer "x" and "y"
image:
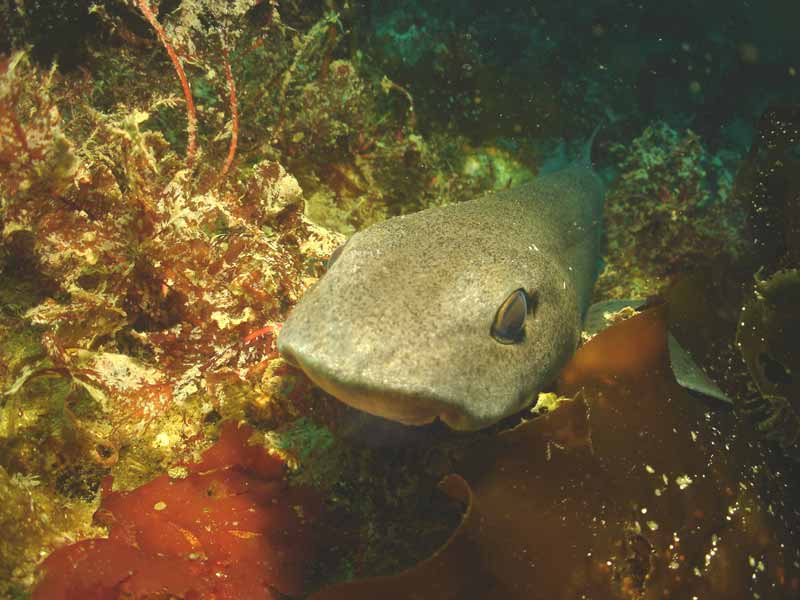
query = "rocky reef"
{"x": 174, "y": 175}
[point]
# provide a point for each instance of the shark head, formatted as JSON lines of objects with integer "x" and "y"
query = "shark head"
{"x": 439, "y": 315}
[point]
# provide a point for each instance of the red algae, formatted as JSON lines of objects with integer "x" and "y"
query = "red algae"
{"x": 230, "y": 529}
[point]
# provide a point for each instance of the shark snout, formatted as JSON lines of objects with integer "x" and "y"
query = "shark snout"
{"x": 362, "y": 387}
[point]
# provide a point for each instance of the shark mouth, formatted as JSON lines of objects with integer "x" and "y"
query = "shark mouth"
{"x": 396, "y": 405}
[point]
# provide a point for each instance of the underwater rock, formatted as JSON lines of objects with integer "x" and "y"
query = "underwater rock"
{"x": 229, "y": 529}
{"x": 632, "y": 490}
{"x": 768, "y": 334}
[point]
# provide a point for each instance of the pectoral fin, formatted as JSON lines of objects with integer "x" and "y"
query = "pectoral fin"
{"x": 690, "y": 375}
{"x": 687, "y": 372}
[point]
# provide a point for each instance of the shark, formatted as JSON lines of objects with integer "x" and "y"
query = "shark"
{"x": 461, "y": 313}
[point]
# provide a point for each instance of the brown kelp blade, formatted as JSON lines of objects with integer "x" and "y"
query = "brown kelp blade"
{"x": 632, "y": 490}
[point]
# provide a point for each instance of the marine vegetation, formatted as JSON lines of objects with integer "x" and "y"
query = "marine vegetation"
{"x": 671, "y": 203}
{"x": 628, "y": 489}
{"x": 769, "y": 327}
{"x": 152, "y": 244}
{"x": 226, "y": 527}
{"x": 768, "y": 186}
{"x": 735, "y": 313}
{"x": 174, "y": 175}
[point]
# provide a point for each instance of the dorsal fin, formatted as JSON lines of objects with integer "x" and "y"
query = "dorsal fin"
{"x": 586, "y": 156}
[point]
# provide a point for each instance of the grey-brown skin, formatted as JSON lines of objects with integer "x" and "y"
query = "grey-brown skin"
{"x": 400, "y": 325}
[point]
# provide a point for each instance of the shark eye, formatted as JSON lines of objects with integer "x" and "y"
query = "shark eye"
{"x": 334, "y": 255}
{"x": 509, "y": 322}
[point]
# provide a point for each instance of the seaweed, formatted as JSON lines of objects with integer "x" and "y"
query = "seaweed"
{"x": 172, "y": 187}
{"x": 768, "y": 185}
{"x": 229, "y": 527}
{"x": 672, "y": 203}
{"x": 157, "y": 259}
{"x": 628, "y": 489}
{"x": 767, "y": 335}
